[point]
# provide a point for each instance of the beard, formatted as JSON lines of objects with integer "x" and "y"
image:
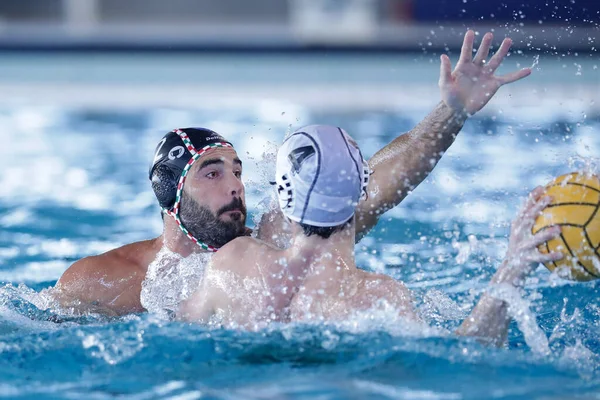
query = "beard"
{"x": 205, "y": 226}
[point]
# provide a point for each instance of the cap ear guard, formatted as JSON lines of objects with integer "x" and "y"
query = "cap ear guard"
{"x": 285, "y": 192}
{"x": 285, "y": 189}
{"x": 164, "y": 184}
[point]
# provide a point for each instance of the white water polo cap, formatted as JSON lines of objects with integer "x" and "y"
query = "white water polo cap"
{"x": 321, "y": 176}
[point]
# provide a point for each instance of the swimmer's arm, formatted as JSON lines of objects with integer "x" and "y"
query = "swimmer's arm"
{"x": 198, "y": 307}
{"x": 489, "y": 320}
{"x": 399, "y": 296}
{"x": 405, "y": 162}
{"x": 396, "y": 169}
{"x": 208, "y": 297}
{"x": 97, "y": 284}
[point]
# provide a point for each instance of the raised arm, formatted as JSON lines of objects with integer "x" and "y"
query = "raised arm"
{"x": 489, "y": 319}
{"x": 405, "y": 162}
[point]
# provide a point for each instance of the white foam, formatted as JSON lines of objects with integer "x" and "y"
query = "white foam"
{"x": 519, "y": 310}
{"x": 170, "y": 279}
{"x": 113, "y": 349}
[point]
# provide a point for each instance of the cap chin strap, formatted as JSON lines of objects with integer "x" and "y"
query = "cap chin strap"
{"x": 196, "y": 154}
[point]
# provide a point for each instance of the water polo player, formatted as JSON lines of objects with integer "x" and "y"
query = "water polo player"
{"x": 112, "y": 282}
{"x": 321, "y": 176}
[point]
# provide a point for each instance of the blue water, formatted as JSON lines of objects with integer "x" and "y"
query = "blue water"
{"x": 74, "y": 183}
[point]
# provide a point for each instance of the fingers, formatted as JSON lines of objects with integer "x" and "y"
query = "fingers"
{"x": 484, "y": 49}
{"x": 528, "y": 253}
{"x": 496, "y": 60}
{"x": 445, "y": 70}
{"x": 535, "y": 210}
{"x": 538, "y": 257}
{"x": 466, "y": 53}
{"x": 536, "y": 193}
{"x": 532, "y": 198}
{"x": 541, "y": 237}
{"x": 535, "y": 203}
{"x": 514, "y": 76}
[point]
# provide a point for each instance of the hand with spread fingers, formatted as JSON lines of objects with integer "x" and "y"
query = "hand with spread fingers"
{"x": 522, "y": 254}
{"x": 472, "y": 83}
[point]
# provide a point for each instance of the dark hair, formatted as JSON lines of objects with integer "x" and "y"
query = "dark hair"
{"x": 324, "y": 231}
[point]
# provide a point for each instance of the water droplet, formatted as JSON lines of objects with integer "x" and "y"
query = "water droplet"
{"x": 536, "y": 61}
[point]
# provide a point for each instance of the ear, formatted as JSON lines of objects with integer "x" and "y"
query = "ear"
{"x": 285, "y": 192}
{"x": 164, "y": 184}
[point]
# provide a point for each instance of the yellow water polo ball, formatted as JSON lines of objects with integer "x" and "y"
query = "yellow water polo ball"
{"x": 576, "y": 198}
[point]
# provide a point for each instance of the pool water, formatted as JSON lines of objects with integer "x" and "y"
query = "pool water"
{"x": 74, "y": 183}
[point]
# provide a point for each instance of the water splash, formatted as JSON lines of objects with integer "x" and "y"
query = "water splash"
{"x": 519, "y": 310}
{"x": 170, "y": 279}
{"x": 535, "y": 63}
{"x": 586, "y": 165}
{"x": 111, "y": 347}
{"x": 567, "y": 341}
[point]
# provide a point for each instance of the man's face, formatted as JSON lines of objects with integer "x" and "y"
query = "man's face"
{"x": 213, "y": 204}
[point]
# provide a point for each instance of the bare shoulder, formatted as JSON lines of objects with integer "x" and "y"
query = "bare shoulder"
{"x": 244, "y": 246}
{"x": 241, "y": 244}
{"x": 384, "y": 285}
{"x": 123, "y": 261}
{"x": 94, "y": 267}
{"x": 136, "y": 255}
{"x": 111, "y": 280}
{"x": 241, "y": 255}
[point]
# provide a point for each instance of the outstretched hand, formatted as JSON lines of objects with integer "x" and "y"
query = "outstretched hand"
{"x": 472, "y": 83}
{"x": 522, "y": 254}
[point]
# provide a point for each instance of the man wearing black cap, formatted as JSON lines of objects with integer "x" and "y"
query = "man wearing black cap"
{"x": 209, "y": 210}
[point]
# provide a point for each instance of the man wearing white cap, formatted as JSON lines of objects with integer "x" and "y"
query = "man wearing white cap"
{"x": 321, "y": 176}
{"x": 196, "y": 176}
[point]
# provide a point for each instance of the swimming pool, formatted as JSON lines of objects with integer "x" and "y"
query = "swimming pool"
{"x": 74, "y": 183}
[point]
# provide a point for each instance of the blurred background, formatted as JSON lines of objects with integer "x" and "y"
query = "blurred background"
{"x": 366, "y": 53}
{"x": 292, "y": 24}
